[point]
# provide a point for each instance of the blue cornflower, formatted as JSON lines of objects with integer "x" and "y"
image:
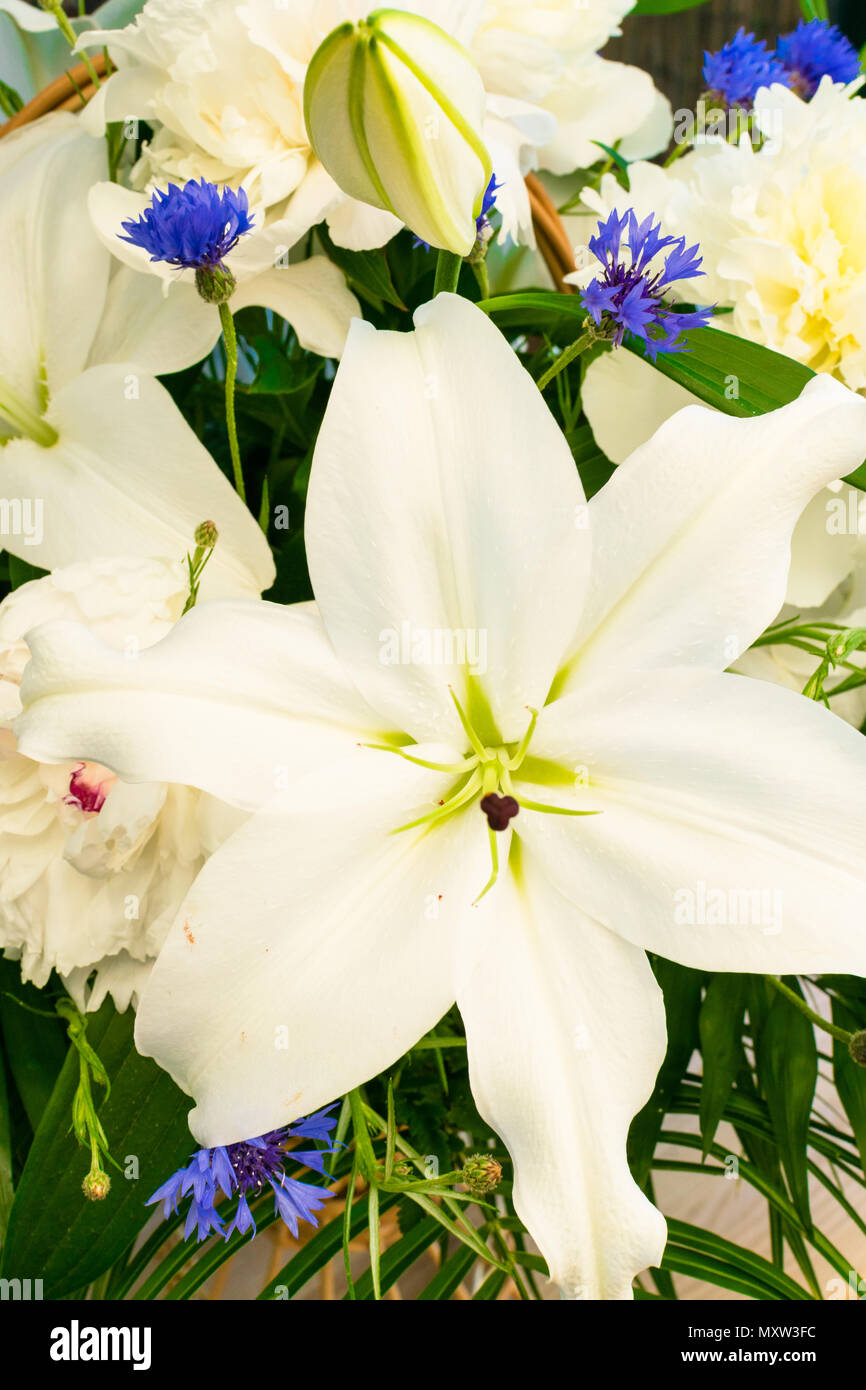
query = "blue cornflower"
{"x": 194, "y": 228}
{"x": 817, "y": 49}
{"x": 246, "y": 1168}
{"x": 628, "y": 297}
{"x": 735, "y": 73}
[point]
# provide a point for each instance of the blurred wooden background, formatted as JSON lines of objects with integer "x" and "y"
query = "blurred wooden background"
{"x": 671, "y": 46}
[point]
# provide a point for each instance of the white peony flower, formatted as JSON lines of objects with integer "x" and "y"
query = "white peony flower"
{"x": 782, "y": 230}
{"x": 547, "y": 54}
{"x": 92, "y": 869}
{"x": 487, "y": 632}
{"x": 94, "y": 454}
{"x": 223, "y": 83}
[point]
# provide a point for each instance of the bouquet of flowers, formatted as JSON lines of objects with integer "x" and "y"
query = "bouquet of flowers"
{"x": 433, "y": 654}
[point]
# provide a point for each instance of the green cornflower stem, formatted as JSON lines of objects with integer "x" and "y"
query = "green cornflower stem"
{"x": 230, "y": 338}
{"x": 70, "y": 36}
{"x": 793, "y": 998}
{"x": 447, "y": 273}
{"x": 566, "y": 356}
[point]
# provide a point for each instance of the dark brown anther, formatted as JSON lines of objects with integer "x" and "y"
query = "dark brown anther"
{"x": 499, "y": 810}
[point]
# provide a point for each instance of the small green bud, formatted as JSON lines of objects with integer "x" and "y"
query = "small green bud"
{"x": 215, "y": 284}
{"x": 482, "y": 1174}
{"x": 206, "y": 535}
{"x": 857, "y": 1047}
{"x": 96, "y": 1186}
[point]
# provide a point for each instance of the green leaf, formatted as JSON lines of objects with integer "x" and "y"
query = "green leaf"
{"x": 721, "y": 1028}
{"x": 449, "y": 1278}
{"x": 850, "y": 1079}
{"x": 6, "y": 1190}
{"x": 21, "y": 572}
{"x": 665, "y": 6}
{"x": 787, "y": 1062}
{"x": 682, "y": 993}
{"x": 54, "y": 1232}
{"x": 397, "y": 1259}
{"x": 535, "y": 310}
{"x": 749, "y": 1265}
{"x": 735, "y": 376}
{"x": 34, "y": 1046}
{"x": 365, "y": 270}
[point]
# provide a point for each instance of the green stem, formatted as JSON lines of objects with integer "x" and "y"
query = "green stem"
{"x": 819, "y": 1022}
{"x": 447, "y": 273}
{"x": 230, "y": 338}
{"x": 481, "y": 275}
{"x": 71, "y": 38}
{"x": 566, "y": 356}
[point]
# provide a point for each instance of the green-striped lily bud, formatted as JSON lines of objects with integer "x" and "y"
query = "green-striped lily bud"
{"x": 394, "y": 109}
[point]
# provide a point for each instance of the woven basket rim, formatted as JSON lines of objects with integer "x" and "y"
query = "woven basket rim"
{"x": 72, "y": 89}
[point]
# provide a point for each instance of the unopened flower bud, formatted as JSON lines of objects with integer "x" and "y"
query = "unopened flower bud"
{"x": 394, "y": 108}
{"x": 96, "y": 1186}
{"x": 482, "y": 1174}
{"x": 215, "y": 284}
{"x": 206, "y": 535}
{"x": 857, "y": 1047}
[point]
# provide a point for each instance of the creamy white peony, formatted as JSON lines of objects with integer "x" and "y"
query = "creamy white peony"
{"x": 782, "y": 230}
{"x": 92, "y": 870}
{"x": 223, "y": 82}
{"x": 359, "y": 901}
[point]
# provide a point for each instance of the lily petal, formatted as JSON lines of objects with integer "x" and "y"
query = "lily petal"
{"x": 731, "y": 834}
{"x": 677, "y": 576}
{"x": 130, "y": 475}
{"x": 330, "y": 943}
{"x": 312, "y": 296}
{"x": 448, "y": 504}
{"x": 240, "y": 697}
{"x": 565, "y": 1028}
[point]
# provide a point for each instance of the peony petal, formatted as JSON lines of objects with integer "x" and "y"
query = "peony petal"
{"x": 731, "y": 834}
{"x": 312, "y": 296}
{"x": 565, "y": 1028}
{"x": 692, "y": 534}
{"x": 240, "y": 697}
{"x": 444, "y": 509}
{"x": 128, "y": 474}
{"x": 330, "y": 943}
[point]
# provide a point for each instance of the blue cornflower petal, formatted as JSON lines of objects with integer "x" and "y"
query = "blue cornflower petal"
{"x": 194, "y": 227}
{"x": 246, "y": 1168}
{"x": 737, "y": 71}
{"x": 817, "y": 49}
{"x": 628, "y": 296}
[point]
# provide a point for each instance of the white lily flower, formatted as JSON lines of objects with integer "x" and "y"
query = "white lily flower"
{"x": 94, "y": 454}
{"x": 469, "y": 644}
{"x": 94, "y": 869}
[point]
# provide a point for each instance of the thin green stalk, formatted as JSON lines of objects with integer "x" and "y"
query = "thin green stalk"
{"x": 71, "y": 37}
{"x": 819, "y": 1022}
{"x": 447, "y": 273}
{"x": 230, "y": 339}
{"x": 566, "y": 356}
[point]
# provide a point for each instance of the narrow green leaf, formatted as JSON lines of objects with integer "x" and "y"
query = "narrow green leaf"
{"x": 720, "y": 1027}
{"x": 54, "y": 1232}
{"x": 397, "y": 1259}
{"x": 787, "y": 1061}
{"x": 682, "y": 994}
{"x": 850, "y": 1079}
{"x": 324, "y": 1246}
{"x": 6, "y": 1191}
{"x": 449, "y": 1278}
